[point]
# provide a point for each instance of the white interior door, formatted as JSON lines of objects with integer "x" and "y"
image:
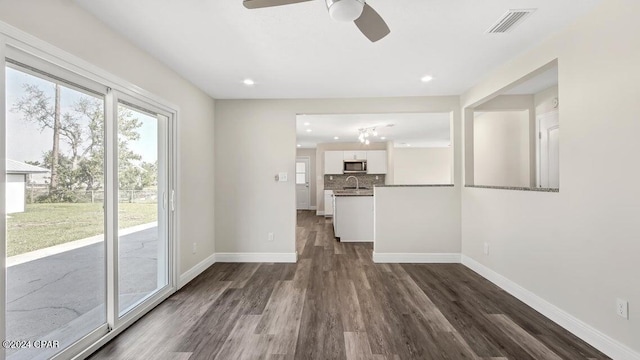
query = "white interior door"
{"x": 549, "y": 155}
{"x": 302, "y": 183}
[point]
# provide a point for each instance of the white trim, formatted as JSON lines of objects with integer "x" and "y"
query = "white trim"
{"x": 313, "y": 207}
{"x": 589, "y": 334}
{"x": 256, "y": 257}
{"x": 196, "y": 270}
{"x": 3, "y": 184}
{"x": 320, "y": 213}
{"x": 417, "y": 258}
{"x": 356, "y": 241}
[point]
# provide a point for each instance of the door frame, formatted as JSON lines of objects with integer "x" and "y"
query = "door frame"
{"x": 538, "y": 137}
{"x": 308, "y": 175}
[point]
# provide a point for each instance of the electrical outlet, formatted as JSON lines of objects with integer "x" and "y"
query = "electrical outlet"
{"x": 377, "y": 178}
{"x": 622, "y": 308}
{"x": 486, "y": 248}
{"x": 270, "y": 237}
{"x": 330, "y": 177}
{"x": 194, "y": 248}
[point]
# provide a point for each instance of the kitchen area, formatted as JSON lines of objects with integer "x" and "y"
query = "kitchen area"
{"x": 350, "y": 155}
{"x": 349, "y": 180}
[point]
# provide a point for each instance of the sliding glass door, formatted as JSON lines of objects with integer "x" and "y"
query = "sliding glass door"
{"x": 87, "y": 208}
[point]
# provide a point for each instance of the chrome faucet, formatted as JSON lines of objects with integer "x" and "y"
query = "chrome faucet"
{"x": 357, "y": 185}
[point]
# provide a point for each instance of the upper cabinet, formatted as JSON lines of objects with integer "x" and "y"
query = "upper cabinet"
{"x": 355, "y": 155}
{"x": 377, "y": 162}
{"x": 333, "y": 162}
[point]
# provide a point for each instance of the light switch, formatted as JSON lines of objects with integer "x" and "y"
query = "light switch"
{"x": 282, "y": 177}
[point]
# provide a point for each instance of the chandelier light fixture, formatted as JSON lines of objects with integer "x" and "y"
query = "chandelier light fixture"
{"x": 365, "y": 133}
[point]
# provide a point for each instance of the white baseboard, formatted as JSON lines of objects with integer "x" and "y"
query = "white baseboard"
{"x": 313, "y": 207}
{"x": 256, "y": 257}
{"x": 320, "y": 212}
{"x": 418, "y": 258}
{"x": 196, "y": 270}
{"x": 594, "y": 337}
{"x": 356, "y": 241}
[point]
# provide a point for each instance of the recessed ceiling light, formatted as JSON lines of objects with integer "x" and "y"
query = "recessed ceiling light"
{"x": 426, "y": 78}
{"x": 248, "y": 82}
{"x": 299, "y": 145}
{"x": 408, "y": 144}
{"x": 335, "y": 138}
{"x": 308, "y": 130}
{"x": 307, "y": 124}
{"x": 383, "y": 138}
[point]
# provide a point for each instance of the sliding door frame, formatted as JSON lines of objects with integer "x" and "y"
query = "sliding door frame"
{"x": 43, "y": 53}
{"x": 3, "y": 187}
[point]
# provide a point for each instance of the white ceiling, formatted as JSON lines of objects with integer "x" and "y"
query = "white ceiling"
{"x": 409, "y": 129}
{"x": 297, "y": 51}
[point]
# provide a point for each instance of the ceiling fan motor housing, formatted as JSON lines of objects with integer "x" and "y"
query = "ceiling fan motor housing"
{"x": 345, "y": 10}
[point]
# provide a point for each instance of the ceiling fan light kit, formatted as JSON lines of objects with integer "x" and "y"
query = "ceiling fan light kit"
{"x": 367, "y": 20}
{"x": 345, "y": 10}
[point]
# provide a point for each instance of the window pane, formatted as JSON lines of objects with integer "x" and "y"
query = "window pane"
{"x": 301, "y": 167}
{"x": 55, "y": 227}
{"x": 300, "y": 178}
{"x": 142, "y": 245}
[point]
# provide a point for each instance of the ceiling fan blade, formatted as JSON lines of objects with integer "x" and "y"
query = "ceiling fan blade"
{"x": 254, "y": 4}
{"x": 371, "y": 24}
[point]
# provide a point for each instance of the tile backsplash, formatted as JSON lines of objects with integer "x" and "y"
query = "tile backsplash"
{"x": 339, "y": 181}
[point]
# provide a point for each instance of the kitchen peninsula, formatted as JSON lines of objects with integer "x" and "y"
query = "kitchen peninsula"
{"x": 353, "y": 215}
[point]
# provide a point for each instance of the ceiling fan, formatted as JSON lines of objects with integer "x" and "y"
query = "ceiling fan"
{"x": 366, "y": 19}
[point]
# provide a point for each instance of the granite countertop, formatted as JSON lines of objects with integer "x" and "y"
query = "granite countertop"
{"x": 416, "y": 185}
{"x": 514, "y": 188}
{"x": 353, "y": 192}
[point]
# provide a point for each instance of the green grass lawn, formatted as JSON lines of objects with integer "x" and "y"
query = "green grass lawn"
{"x": 44, "y": 225}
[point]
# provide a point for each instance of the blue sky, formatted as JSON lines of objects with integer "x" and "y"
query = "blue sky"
{"x": 25, "y": 140}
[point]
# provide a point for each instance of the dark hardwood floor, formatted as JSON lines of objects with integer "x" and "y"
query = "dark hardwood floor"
{"x": 335, "y": 303}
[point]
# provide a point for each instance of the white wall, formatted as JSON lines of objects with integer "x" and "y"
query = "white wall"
{"x": 544, "y": 100}
{"x": 417, "y": 220}
{"x": 501, "y": 148}
{"x": 65, "y": 25}
{"x": 15, "y": 191}
{"x": 422, "y": 166}
{"x": 577, "y": 249}
{"x": 311, "y": 154}
{"x": 389, "y": 177}
{"x": 249, "y": 203}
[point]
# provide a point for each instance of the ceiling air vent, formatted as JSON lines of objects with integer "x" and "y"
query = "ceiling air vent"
{"x": 509, "y": 20}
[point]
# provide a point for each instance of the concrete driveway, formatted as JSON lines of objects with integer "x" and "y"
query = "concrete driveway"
{"x": 62, "y": 296}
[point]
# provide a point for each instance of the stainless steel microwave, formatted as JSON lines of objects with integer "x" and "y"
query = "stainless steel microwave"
{"x": 354, "y": 167}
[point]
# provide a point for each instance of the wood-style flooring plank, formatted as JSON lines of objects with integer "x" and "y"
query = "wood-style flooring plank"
{"x": 357, "y": 346}
{"x": 528, "y": 342}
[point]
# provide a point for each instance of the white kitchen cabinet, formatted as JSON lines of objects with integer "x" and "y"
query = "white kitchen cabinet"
{"x": 353, "y": 218}
{"x": 354, "y": 155}
{"x": 377, "y": 162}
{"x": 333, "y": 162}
{"x": 328, "y": 203}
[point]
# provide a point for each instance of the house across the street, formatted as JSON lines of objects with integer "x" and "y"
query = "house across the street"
{"x": 18, "y": 174}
